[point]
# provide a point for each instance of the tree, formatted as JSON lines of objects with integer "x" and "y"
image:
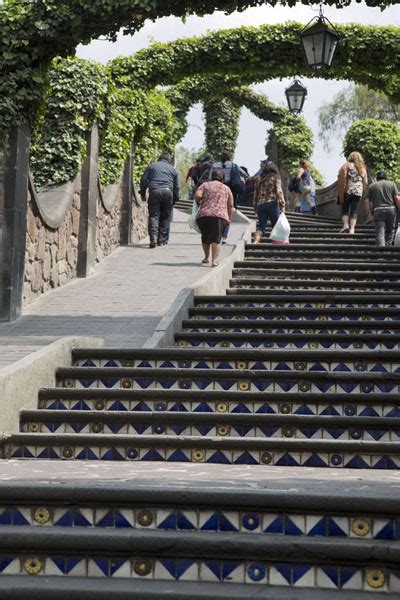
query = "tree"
{"x": 184, "y": 158}
{"x": 354, "y": 103}
{"x": 379, "y": 142}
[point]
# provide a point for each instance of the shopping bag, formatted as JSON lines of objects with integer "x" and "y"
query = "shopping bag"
{"x": 397, "y": 237}
{"x": 192, "y": 219}
{"x": 281, "y": 231}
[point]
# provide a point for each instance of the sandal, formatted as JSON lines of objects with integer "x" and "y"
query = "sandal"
{"x": 345, "y": 230}
{"x": 215, "y": 264}
{"x": 205, "y": 261}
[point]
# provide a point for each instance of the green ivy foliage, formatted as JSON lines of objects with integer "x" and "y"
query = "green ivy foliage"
{"x": 366, "y": 54}
{"x": 33, "y": 33}
{"x": 293, "y": 135}
{"x": 222, "y": 125}
{"x": 379, "y": 143}
{"x": 59, "y": 140}
{"x": 143, "y": 117}
{"x": 259, "y": 53}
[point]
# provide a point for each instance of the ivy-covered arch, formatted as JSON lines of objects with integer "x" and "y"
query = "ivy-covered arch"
{"x": 223, "y": 94}
{"x": 130, "y": 80}
{"x": 151, "y": 118}
{"x": 32, "y": 33}
{"x": 366, "y": 54}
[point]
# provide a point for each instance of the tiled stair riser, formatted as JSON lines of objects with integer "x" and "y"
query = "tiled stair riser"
{"x": 300, "y": 575}
{"x": 324, "y": 364}
{"x": 263, "y": 314}
{"x": 336, "y": 284}
{"x": 288, "y": 303}
{"x": 118, "y": 451}
{"x": 313, "y": 345}
{"x": 307, "y": 431}
{"x": 269, "y": 523}
{"x": 340, "y": 406}
{"x": 370, "y": 383}
{"x": 292, "y": 326}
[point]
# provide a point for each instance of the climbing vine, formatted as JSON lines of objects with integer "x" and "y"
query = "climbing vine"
{"x": 292, "y": 134}
{"x": 59, "y": 139}
{"x": 150, "y": 125}
{"x": 222, "y": 125}
{"x": 131, "y": 109}
{"x": 32, "y": 33}
{"x": 379, "y": 143}
{"x": 366, "y": 54}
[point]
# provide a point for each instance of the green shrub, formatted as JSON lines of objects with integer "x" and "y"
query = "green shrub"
{"x": 379, "y": 143}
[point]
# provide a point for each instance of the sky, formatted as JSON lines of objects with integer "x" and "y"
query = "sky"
{"x": 252, "y": 136}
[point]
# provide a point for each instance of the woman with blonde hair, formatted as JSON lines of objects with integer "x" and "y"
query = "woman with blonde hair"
{"x": 352, "y": 183}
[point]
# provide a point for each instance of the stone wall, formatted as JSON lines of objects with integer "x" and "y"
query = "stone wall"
{"x": 51, "y": 254}
{"x": 51, "y": 236}
{"x": 108, "y": 228}
{"x": 139, "y": 218}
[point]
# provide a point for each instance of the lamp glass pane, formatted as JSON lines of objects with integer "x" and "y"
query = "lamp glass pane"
{"x": 314, "y": 48}
{"x": 330, "y": 49}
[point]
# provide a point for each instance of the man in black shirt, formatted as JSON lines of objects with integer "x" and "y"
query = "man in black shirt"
{"x": 161, "y": 179}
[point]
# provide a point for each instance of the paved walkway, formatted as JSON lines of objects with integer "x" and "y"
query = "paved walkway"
{"x": 122, "y": 301}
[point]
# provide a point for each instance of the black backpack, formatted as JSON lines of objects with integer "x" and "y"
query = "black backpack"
{"x": 295, "y": 185}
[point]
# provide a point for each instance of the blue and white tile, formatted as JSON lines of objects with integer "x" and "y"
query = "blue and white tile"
{"x": 276, "y": 578}
{"x": 10, "y": 565}
{"x": 245, "y": 457}
{"x": 303, "y": 576}
{"x": 394, "y": 581}
{"x": 256, "y": 573}
{"x": 120, "y": 568}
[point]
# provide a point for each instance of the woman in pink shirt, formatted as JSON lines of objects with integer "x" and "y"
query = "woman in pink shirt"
{"x": 215, "y": 213}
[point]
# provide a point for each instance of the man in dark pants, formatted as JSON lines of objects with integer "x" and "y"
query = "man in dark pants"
{"x": 161, "y": 179}
{"x": 382, "y": 199}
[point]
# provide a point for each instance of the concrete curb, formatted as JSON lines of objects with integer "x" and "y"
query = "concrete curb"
{"x": 214, "y": 282}
{"x": 20, "y": 382}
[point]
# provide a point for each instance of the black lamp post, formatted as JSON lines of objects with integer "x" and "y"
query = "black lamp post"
{"x": 319, "y": 42}
{"x": 295, "y": 96}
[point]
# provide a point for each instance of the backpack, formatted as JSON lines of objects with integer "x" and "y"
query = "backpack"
{"x": 295, "y": 185}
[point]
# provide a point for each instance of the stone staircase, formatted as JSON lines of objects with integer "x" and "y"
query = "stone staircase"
{"x": 279, "y": 405}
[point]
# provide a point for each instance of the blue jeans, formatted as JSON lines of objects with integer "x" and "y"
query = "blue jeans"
{"x": 267, "y": 211}
{"x": 385, "y": 225}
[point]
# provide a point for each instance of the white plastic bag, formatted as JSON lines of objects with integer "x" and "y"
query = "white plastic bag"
{"x": 397, "y": 237}
{"x": 192, "y": 219}
{"x": 281, "y": 231}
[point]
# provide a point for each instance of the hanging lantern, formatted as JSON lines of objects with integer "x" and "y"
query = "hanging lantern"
{"x": 319, "y": 42}
{"x": 295, "y": 96}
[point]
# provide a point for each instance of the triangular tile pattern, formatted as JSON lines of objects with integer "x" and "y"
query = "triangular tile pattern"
{"x": 354, "y": 388}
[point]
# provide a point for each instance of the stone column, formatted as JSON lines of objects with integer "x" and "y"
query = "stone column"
{"x": 13, "y": 206}
{"x": 127, "y": 195}
{"x": 89, "y": 197}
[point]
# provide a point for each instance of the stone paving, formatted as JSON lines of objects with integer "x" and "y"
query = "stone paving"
{"x": 342, "y": 482}
{"x": 122, "y": 301}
